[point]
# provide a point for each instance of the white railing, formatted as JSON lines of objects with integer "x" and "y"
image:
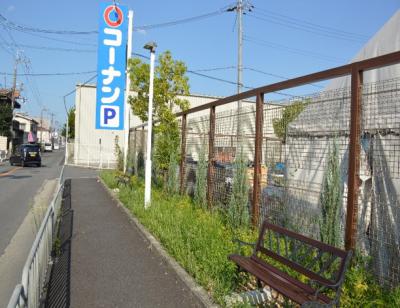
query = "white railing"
{"x": 29, "y": 292}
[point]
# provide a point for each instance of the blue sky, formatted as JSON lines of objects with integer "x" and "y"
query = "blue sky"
{"x": 284, "y": 38}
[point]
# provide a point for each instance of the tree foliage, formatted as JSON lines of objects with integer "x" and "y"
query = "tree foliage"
{"x": 289, "y": 114}
{"x": 200, "y": 191}
{"x": 238, "y": 211}
{"x": 5, "y": 120}
{"x": 71, "y": 124}
{"x": 331, "y": 200}
{"x": 170, "y": 81}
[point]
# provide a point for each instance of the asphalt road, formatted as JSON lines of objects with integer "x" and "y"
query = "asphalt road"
{"x": 19, "y": 191}
{"x": 18, "y": 187}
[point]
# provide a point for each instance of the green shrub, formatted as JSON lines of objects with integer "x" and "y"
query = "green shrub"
{"x": 331, "y": 200}
{"x": 172, "y": 180}
{"x": 238, "y": 212}
{"x": 200, "y": 189}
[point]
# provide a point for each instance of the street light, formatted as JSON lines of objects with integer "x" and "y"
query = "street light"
{"x": 147, "y": 188}
{"x": 41, "y": 123}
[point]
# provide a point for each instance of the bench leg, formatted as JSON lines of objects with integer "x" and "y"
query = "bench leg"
{"x": 259, "y": 284}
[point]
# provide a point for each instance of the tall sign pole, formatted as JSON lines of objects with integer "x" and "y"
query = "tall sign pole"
{"x": 127, "y": 88}
{"x": 111, "y": 67}
{"x": 147, "y": 181}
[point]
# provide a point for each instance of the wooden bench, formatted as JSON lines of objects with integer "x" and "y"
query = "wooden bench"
{"x": 317, "y": 270}
{"x": 123, "y": 179}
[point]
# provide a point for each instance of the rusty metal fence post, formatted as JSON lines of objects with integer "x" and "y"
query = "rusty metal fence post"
{"x": 183, "y": 156}
{"x": 257, "y": 159}
{"x": 134, "y": 154}
{"x": 354, "y": 158}
{"x": 210, "y": 170}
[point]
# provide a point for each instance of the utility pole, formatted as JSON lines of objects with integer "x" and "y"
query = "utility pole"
{"x": 66, "y": 133}
{"x": 14, "y": 87}
{"x": 41, "y": 124}
{"x": 52, "y": 130}
{"x": 239, "y": 9}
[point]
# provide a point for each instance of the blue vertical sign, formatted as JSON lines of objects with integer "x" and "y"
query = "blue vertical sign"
{"x": 111, "y": 66}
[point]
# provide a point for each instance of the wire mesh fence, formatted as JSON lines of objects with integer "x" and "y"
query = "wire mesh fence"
{"x": 289, "y": 162}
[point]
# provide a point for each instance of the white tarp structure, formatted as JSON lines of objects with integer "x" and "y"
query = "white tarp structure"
{"x": 326, "y": 119}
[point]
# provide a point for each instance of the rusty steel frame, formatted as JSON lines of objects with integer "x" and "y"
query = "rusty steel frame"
{"x": 210, "y": 170}
{"x": 183, "y": 155}
{"x": 355, "y": 70}
{"x": 257, "y": 159}
{"x": 354, "y": 158}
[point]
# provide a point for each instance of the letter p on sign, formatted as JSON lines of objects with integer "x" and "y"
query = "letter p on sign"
{"x": 109, "y": 116}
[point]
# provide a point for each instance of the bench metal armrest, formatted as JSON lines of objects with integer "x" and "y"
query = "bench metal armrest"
{"x": 241, "y": 243}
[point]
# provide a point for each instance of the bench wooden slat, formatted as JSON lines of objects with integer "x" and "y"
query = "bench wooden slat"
{"x": 278, "y": 280}
{"x": 333, "y": 250}
{"x": 295, "y": 266}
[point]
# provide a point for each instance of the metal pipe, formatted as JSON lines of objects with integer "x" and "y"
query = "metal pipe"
{"x": 210, "y": 170}
{"x": 183, "y": 156}
{"x": 354, "y": 158}
{"x": 147, "y": 191}
{"x": 127, "y": 89}
{"x": 257, "y": 160}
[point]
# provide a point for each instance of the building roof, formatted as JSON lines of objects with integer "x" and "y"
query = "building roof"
{"x": 26, "y": 117}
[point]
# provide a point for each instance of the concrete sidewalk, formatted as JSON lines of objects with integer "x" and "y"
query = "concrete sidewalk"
{"x": 111, "y": 263}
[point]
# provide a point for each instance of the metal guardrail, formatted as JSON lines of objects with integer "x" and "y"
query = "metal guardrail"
{"x": 28, "y": 293}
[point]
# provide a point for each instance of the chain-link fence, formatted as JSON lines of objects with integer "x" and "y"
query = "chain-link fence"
{"x": 325, "y": 165}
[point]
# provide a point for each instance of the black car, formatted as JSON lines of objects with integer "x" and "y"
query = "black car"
{"x": 26, "y": 154}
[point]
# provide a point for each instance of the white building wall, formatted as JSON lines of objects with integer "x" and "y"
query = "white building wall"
{"x": 88, "y": 151}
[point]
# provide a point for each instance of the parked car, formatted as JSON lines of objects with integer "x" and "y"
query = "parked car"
{"x": 48, "y": 147}
{"x": 26, "y": 154}
{"x": 56, "y": 146}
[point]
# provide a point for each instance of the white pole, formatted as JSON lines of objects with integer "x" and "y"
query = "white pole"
{"x": 66, "y": 135}
{"x": 127, "y": 88}
{"x": 147, "y": 189}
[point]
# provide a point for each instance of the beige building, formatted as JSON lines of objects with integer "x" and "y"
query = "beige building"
{"x": 96, "y": 148}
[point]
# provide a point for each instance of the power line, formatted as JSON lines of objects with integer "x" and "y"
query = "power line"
{"x": 34, "y": 30}
{"x": 293, "y": 50}
{"x": 277, "y": 76}
{"x": 295, "y": 26}
{"x": 310, "y": 25}
{"x": 23, "y": 28}
{"x": 215, "y": 78}
{"x": 184, "y": 20}
{"x": 48, "y": 48}
{"x": 215, "y": 69}
{"x": 51, "y": 74}
{"x": 86, "y": 82}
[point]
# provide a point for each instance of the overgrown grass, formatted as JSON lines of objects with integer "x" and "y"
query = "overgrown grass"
{"x": 200, "y": 242}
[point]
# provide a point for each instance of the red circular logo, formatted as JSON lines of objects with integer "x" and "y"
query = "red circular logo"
{"x": 116, "y": 11}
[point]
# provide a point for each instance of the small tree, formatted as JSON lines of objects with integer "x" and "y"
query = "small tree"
{"x": 200, "y": 189}
{"x": 5, "y": 120}
{"x": 71, "y": 124}
{"x": 331, "y": 199}
{"x": 172, "y": 182}
{"x": 118, "y": 154}
{"x": 169, "y": 82}
{"x": 289, "y": 114}
{"x": 238, "y": 212}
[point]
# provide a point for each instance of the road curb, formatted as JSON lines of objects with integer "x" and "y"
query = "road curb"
{"x": 197, "y": 290}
